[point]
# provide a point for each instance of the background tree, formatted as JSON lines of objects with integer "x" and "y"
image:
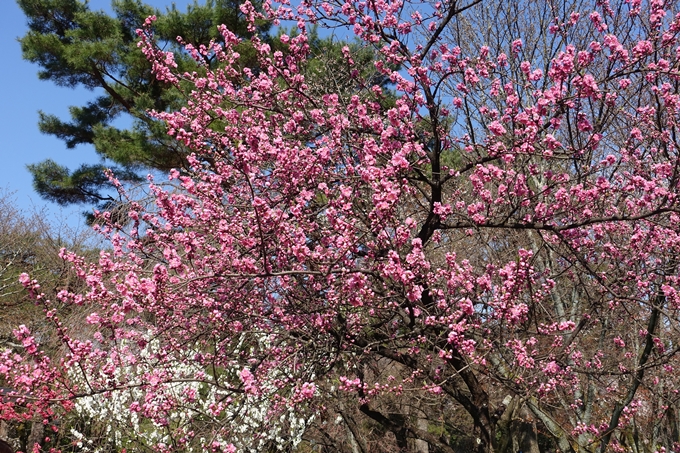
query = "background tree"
{"x": 75, "y": 46}
{"x": 500, "y": 243}
{"x": 29, "y": 244}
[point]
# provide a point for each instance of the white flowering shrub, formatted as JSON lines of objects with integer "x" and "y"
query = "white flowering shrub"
{"x": 189, "y": 411}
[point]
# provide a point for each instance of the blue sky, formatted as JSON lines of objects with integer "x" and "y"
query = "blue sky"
{"x": 22, "y": 94}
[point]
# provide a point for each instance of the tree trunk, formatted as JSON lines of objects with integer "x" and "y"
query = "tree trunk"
{"x": 525, "y": 434}
{"x": 421, "y": 445}
{"x": 36, "y": 436}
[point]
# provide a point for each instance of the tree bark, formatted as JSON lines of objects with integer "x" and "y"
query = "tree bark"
{"x": 36, "y": 436}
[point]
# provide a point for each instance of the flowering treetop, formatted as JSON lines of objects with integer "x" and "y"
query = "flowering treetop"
{"x": 498, "y": 237}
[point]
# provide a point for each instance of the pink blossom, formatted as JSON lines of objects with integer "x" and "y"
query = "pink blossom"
{"x": 516, "y": 46}
{"x": 24, "y": 279}
{"x": 496, "y": 128}
{"x": 308, "y": 389}
{"x": 643, "y": 48}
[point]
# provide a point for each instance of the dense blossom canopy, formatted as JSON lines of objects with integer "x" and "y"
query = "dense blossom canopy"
{"x": 485, "y": 258}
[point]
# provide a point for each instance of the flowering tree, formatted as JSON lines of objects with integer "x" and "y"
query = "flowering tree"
{"x": 498, "y": 246}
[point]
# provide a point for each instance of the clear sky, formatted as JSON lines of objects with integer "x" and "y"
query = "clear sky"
{"x": 22, "y": 95}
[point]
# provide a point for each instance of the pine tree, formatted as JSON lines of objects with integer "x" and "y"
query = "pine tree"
{"x": 77, "y": 47}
